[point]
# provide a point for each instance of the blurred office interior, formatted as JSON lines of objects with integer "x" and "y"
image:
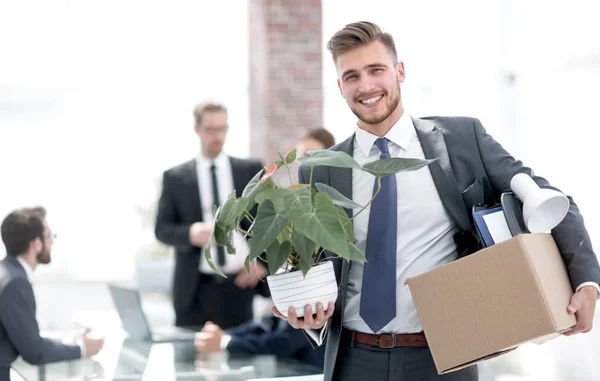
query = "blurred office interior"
{"x": 96, "y": 101}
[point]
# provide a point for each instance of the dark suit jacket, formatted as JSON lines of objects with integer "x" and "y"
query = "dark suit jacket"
{"x": 274, "y": 336}
{"x": 471, "y": 168}
{"x": 19, "y": 331}
{"x": 178, "y": 208}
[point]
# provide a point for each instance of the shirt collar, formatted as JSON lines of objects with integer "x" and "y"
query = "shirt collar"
{"x": 219, "y": 161}
{"x": 400, "y": 134}
{"x": 28, "y": 269}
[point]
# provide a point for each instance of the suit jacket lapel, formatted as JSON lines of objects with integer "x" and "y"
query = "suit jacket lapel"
{"x": 341, "y": 178}
{"x": 191, "y": 181}
{"x": 434, "y": 146}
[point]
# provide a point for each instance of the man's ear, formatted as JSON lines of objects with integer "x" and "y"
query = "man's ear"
{"x": 400, "y": 71}
{"x": 37, "y": 245}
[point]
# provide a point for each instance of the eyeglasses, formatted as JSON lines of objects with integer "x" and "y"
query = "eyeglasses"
{"x": 52, "y": 236}
{"x": 216, "y": 130}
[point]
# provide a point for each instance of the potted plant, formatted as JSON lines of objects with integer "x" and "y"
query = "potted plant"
{"x": 294, "y": 225}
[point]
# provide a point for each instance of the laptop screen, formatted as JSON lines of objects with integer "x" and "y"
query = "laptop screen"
{"x": 129, "y": 306}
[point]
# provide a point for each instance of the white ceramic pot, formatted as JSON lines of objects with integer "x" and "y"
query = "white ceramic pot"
{"x": 292, "y": 289}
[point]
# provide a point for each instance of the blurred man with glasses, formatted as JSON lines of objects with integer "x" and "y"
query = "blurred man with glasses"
{"x": 184, "y": 217}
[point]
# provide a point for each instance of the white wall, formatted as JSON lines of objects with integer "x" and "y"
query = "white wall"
{"x": 96, "y": 100}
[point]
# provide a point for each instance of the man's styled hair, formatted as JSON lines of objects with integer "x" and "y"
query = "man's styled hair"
{"x": 21, "y": 227}
{"x": 319, "y": 134}
{"x": 359, "y": 34}
{"x": 205, "y": 107}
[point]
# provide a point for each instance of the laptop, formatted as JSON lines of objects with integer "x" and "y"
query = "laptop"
{"x": 129, "y": 307}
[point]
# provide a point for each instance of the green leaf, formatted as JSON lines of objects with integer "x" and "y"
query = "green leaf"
{"x": 267, "y": 225}
{"x": 354, "y": 253}
{"x": 277, "y": 255}
{"x": 321, "y": 225}
{"x": 233, "y": 210}
{"x": 385, "y": 167}
{"x": 247, "y": 263}
{"x": 276, "y": 195}
{"x": 285, "y": 234}
{"x": 224, "y": 238}
{"x": 329, "y": 158}
{"x": 346, "y": 224}
{"x": 280, "y": 156}
{"x": 279, "y": 163}
{"x": 252, "y": 185}
{"x": 238, "y": 211}
{"x": 336, "y": 197}
{"x": 291, "y": 157}
{"x": 254, "y": 198}
{"x": 299, "y": 199}
{"x": 306, "y": 264}
{"x": 264, "y": 195}
{"x": 207, "y": 254}
{"x": 305, "y": 249}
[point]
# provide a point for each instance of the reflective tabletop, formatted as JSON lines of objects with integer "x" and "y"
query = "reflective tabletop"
{"x": 123, "y": 360}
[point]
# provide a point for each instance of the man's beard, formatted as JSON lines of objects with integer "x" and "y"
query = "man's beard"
{"x": 391, "y": 103}
{"x": 43, "y": 256}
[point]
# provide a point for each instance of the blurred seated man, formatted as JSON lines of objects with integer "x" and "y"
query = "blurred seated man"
{"x": 28, "y": 242}
{"x": 270, "y": 336}
{"x": 310, "y": 140}
{"x": 314, "y": 139}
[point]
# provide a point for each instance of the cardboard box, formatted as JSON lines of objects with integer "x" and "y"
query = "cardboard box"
{"x": 492, "y": 301}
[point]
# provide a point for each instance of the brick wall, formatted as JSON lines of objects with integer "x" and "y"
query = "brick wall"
{"x": 285, "y": 73}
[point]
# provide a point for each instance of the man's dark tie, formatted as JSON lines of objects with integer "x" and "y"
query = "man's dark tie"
{"x": 215, "y": 187}
{"x": 378, "y": 294}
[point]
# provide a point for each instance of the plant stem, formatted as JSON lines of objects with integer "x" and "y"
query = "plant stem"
{"x": 287, "y": 167}
{"x": 243, "y": 232}
{"x": 319, "y": 253}
{"x": 249, "y": 217}
{"x": 371, "y": 200}
{"x": 311, "y": 175}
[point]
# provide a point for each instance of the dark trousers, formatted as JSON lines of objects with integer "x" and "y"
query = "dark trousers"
{"x": 359, "y": 362}
{"x": 217, "y": 300}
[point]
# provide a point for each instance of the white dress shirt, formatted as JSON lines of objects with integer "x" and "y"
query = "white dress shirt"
{"x": 29, "y": 272}
{"x": 233, "y": 263}
{"x": 425, "y": 230}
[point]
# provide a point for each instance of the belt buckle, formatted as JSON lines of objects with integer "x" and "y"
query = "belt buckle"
{"x": 384, "y": 335}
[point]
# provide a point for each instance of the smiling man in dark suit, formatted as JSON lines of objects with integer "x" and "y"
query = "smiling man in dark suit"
{"x": 184, "y": 220}
{"x": 419, "y": 221}
{"x": 28, "y": 242}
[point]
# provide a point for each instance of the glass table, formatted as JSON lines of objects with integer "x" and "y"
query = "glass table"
{"x": 122, "y": 360}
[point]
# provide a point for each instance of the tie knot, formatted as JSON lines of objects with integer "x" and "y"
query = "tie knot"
{"x": 213, "y": 167}
{"x": 382, "y": 144}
